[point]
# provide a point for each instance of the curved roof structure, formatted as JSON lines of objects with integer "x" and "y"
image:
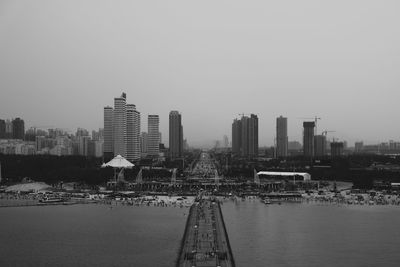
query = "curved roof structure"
{"x": 306, "y": 176}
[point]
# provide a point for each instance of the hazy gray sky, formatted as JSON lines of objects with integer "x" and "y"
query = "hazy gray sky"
{"x": 61, "y": 62}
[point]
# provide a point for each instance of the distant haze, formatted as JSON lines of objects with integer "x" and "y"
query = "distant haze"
{"x": 61, "y": 62}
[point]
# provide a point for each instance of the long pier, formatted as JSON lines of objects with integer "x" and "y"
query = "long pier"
{"x": 205, "y": 241}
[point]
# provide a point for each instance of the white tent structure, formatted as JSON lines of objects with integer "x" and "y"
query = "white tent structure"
{"x": 118, "y": 162}
{"x": 306, "y": 176}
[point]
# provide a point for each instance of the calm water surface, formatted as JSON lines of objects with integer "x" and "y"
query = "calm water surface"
{"x": 260, "y": 235}
{"x": 313, "y": 235}
{"x": 90, "y": 235}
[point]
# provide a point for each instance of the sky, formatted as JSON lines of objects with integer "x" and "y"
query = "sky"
{"x": 61, "y": 62}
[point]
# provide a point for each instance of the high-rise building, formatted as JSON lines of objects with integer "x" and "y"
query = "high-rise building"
{"x": 245, "y": 136}
{"x": 9, "y": 129}
{"x": 249, "y": 136}
{"x": 2, "y": 129}
{"x": 358, "y": 147}
{"x": 236, "y": 136}
{"x": 281, "y": 137}
{"x": 336, "y": 149}
{"x": 18, "y": 129}
{"x": 225, "y": 141}
{"x": 83, "y": 145}
{"x": 133, "y": 133}
{"x": 119, "y": 123}
{"x": 81, "y": 132}
{"x": 153, "y": 142}
{"x": 108, "y": 146}
{"x": 319, "y": 145}
{"x": 308, "y": 138}
{"x": 143, "y": 142}
{"x": 175, "y": 134}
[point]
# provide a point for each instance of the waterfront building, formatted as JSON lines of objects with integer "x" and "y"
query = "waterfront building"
{"x": 281, "y": 137}
{"x": 18, "y": 129}
{"x": 153, "y": 140}
{"x": 308, "y": 138}
{"x": 320, "y": 145}
{"x": 2, "y": 129}
{"x": 133, "y": 133}
{"x": 108, "y": 147}
{"x": 119, "y": 126}
{"x": 175, "y": 134}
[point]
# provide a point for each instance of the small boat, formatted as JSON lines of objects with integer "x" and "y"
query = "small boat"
{"x": 267, "y": 201}
{"x": 47, "y": 200}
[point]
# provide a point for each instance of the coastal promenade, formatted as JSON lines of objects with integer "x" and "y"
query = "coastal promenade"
{"x": 205, "y": 241}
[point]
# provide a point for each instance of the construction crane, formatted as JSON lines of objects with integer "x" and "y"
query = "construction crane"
{"x": 316, "y": 118}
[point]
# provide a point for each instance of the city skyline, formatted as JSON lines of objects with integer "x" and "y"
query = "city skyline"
{"x": 273, "y": 60}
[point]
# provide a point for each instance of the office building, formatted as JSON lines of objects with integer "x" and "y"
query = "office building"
{"x": 133, "y": 133}
{"x": 153, "y": 136}
{"x": 175, "y": 134}
{"x": 108, "y": 146}
{"x": 281, "y": 137}
{"x": 308, "y": 138}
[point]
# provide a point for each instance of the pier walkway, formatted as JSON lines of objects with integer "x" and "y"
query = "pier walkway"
{"x": 205, "y": 241}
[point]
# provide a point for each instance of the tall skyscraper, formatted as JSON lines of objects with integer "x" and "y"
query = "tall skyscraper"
{"x": 120, "y": 119}
{"x": 236, "y": 136}
{"x": 320, "y": 145}
{"x": 308, "y": 138}
{"x": 133, "y": 133}
{"x": 108, "y": 147}
{"x": 18, "y": 129}
{"x": 175, "y": 134}
{"x": 153, "y": 142}
{"x": 281, "y": 137}
{"x": 245, "y": 136}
